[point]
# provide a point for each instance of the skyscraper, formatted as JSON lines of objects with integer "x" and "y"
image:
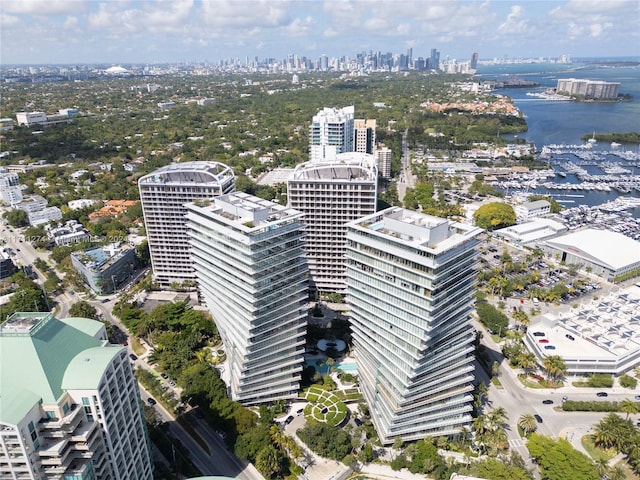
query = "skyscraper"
{"x": 434, "y": 60}
{"x": 163, "y": 194}
{"x": 364, "y": 135}
{"x": 330, "y": 194}
{"x": 70, "y": 407}
{"x": 331, "y": 133}
{"x": 410, "y": 281}
{"x": 249, "y": 260}
{"x": 383, "y": 157}
{"x": 474, "y": 60}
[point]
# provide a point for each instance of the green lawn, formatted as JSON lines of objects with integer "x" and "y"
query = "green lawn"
{"x": 596, "y": 452}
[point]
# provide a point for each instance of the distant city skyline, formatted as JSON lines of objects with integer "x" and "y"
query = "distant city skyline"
{"x": 119, "y": 31}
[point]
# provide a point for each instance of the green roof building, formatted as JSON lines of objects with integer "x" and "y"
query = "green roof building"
{"x": 69, "y": 404}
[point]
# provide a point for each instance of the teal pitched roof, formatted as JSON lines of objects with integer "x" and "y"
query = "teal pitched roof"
{"x": 90, "y": 328}
{"x": 35, "y": 350}
{"x": 87, "y": 368}
{"x": 15, "y": 403}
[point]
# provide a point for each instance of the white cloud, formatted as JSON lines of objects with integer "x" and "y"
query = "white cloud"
{"x": 70, "y": 23}
{"x": 44, "y": 7}
{"x": 233, "y": 14}
{"x": 299, "y": 27}
{"x": 516, "y": 22}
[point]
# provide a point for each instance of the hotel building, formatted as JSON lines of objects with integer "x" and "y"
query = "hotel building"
{"x": 331, "y": 133}
{"x": 70, "y": 407}
{"x": 410, "y": 280}
{"x": 331, "y": 194}
{"x": 249, "y": 261}
{"x": 164, "y": 194}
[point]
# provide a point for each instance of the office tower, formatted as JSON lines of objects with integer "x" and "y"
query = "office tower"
{"x": 364, "y": 135}
{"x": 70, "y": 407}
{"x": 163, "y": 194}
{"x": 324, "y": 63}
{"x": 434, "y": 60}
{"x": 410, "y": 282}
{"x": 330, "y": 194}
{"x": 249, "y": 260}
{"x": 331, "y": 133}
{"x": 383, "y": 158}
{"x": 409, "y": 57}
{"x": 474, "y": 60}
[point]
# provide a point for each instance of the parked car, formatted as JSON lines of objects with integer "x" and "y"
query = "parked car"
{"x": 538, "y": 334}
{"x": 151, "y": 401}
{"x": 549, "y": 347}
{"x": 543, "y": 340}
{"x": 602, "y": 394}
{"x": 565, "y": 398}
{"x": 164, "y": 375}
{"x": 570, "y": 337}
{"x": 538, "y": 418}
{"x": 637, "y": 397}
{"x": 288, "y": 420}
{"x": 133, "y": 356}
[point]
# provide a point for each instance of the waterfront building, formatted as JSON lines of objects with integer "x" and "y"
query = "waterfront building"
{"x": 589, "y": 89}
{"x": 410, "y": 283}
{"x": 599, "y": 336}
{"x": 249, "y": 261}
{"x": 383, "y": 158}
{"x": 364, "y": 135}
{"x": 527, "y": 211}
{"x": 331, "y": 194}
{"x": 331, "y": 133}
{"x": 531, "y": 233}
{"x": 164, "y": 194}
{"x": 70, "y": 407}
{"x": 606, "y": 253}
{"x": 105, "y": 269}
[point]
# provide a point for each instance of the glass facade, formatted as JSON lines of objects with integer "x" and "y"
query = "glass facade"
{"x": 410, "y": 280}
{"x": 249, "y": 260}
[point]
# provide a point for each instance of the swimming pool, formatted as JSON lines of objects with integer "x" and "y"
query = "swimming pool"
{"x": 342, "y": 366}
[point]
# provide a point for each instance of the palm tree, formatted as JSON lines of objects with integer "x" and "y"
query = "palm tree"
{"x": 496, "y": 418}
{"x": 602, "y": 467}
{"x": 527, "y": 361}
{"x": 617, "y": 473}
{"x": 528, "y": 423}
{"x": 607, "y": 431}
{"x": 629, "y": 407}
{"x": 554, "y": 366}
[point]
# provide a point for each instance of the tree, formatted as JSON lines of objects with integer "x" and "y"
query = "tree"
{"x": 83, "y": 309}
{"x": 629, "y": 407}
{"x": 268, "y": 461}
{"x": 528, "y": 423}
{"x": 555, "y": 367}
{"x": 16, "y": 218}
{"x": 558, "y": 460}
{"x": 494, "y": 215}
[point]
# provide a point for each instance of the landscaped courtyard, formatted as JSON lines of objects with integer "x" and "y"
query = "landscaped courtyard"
{"x": 324, "y": 406}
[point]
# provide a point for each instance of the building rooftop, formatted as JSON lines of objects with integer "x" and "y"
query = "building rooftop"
{"x": 188, "y": 172}
{"x": 602, "y": 329}
{"x": 347, "y": 166}
{"x": 249, "y": 213}
{"x": 417, "y": 229}
{"x": 99, "y": 259}
{"x": 35, "y": 350}
{"x": 600, "y": 246}
{"x": 85, "y": 370}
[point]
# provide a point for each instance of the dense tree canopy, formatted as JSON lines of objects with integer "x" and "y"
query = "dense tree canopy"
{"x": 558, "y": 460}
{"x": 82, "y": 309}
{"x": 494, "y": 215}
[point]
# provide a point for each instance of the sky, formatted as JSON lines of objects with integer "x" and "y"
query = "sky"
{"x": 171, "y": 31}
